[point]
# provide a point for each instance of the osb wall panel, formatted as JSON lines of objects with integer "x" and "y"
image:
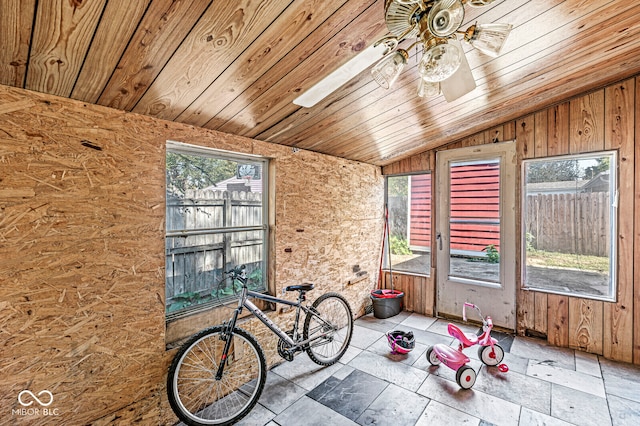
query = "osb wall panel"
{"x": 82, "y": 248}
{"x": 605, "y": 119}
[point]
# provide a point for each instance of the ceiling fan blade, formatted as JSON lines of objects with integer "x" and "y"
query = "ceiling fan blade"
{"x": 340, "y": 76}
{"x": 461, "y": 82}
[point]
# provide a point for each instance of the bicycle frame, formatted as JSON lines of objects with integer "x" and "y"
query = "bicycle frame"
{"x": 244, "y": 302}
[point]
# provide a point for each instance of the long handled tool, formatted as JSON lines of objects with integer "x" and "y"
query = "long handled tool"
{"x": 385, "y": 240}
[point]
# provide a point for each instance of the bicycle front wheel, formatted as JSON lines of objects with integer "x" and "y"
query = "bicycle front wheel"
{"x": 329, "y": 326}
{"x": 197, "y": 396}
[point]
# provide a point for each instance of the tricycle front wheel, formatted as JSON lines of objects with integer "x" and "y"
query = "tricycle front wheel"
{"x": 491, "y": 356}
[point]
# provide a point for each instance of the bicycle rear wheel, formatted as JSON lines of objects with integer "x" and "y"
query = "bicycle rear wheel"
{"x": 197, "y": 397}
{"x": 329, "y": 325}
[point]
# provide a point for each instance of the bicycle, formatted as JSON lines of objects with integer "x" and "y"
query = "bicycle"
{"x": 218, "y": 375}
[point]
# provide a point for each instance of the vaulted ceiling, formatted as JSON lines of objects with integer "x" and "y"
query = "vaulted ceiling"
{"x": 237, "y": 65}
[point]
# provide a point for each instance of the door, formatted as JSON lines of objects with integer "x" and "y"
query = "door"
{"x": 476, "y": 233}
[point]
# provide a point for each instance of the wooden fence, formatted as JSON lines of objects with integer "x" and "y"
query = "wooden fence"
{"x": 206, "y": 234}
{"x": 569, "y": 223}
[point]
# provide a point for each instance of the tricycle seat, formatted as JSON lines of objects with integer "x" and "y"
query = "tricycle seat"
{"x": 466, "y": 339}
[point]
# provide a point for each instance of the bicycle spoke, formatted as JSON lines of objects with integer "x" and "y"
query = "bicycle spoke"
{"x": 195, "y": 393}
{"x": 328, "y": 328}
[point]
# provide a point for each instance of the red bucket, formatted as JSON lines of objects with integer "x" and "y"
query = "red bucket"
{"x": 386, "y": 303}
{"x": 386, "y": 294}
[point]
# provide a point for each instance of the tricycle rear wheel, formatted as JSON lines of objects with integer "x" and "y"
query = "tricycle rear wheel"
{"x": 431, "y": 356}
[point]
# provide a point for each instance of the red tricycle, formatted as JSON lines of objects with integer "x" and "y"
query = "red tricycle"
{"x": 489, "y": 352}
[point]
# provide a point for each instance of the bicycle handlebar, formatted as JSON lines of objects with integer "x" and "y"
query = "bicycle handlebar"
{"x": 237, "y": 271}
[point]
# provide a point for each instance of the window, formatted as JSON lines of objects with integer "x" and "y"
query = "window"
{"x": 409, "y": 207}
{"x": 215, "y": 218}
{"x": 569, "y": 225}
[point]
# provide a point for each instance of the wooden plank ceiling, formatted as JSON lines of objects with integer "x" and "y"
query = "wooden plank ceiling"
{"x": 237, "y": 65}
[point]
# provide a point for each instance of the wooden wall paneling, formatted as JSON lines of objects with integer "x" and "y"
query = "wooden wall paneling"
{"x": 585, "y": 325}
{"x": 411, "y": 287}
{"x": 540, "y": 324}
{"x": 401, "y": 283}
{"x": 558, "y": 320}
{"x": 473, "y": 140}
{"x": 558, "y": 306}
{"x": 587, "y": 123}
{"x": 558, "y": 129}
{"x": 414, "y": 287}
{"x": 430, "y": 293}
{"x": 636, "y": 233}
{"x": 420, "y": 162}
{"x": 389, "y": 169}
{"x": 495, "y": 134}
{"x": 525, "y": 300}
{"x": 417, "y": 286}
{"x": 541, "y": 137}
{"x": 541, "y": 133}
{"x": 16, "y": 20}
{"x": 619, "y": 134}
{"x": 405, "y": 164}
{"x": 61, "y": 39}
{"x": 586, "y": 134}
{"x": 509, "y": 131}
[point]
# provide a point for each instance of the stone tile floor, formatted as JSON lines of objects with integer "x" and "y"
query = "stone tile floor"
{"x": 370, "y": 386}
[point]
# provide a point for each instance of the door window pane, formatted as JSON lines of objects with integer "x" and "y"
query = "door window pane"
{"x": 474, "y": 220}
{"x": 569, "y": 222}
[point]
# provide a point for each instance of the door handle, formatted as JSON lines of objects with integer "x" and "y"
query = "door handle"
{"x": 439, "y": 238}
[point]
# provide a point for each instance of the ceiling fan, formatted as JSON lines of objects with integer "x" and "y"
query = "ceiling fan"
{"x": 435, "y": 25}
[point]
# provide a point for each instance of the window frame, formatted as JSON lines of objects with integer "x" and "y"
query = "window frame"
{"x": 189, "y": 149}
{"x": 613, "y": 224}
{"x": 385, "y": 242}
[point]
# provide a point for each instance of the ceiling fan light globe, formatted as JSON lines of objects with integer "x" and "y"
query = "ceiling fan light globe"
{"x": 440, "y": 62}
{"x": 479, "y": 3}
{"x": 445, "y": 17}
{"x": 387, "y": 71}
{"x": 490, "y": 38}
{"x": 428, "y": 89}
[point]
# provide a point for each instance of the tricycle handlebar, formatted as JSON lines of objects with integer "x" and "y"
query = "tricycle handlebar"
{"x": 470, "y": 305}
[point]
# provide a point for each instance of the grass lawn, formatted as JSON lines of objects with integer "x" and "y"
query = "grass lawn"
{"x": 567, "y": 261}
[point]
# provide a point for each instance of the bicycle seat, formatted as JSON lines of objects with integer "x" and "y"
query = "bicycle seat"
{"x": 300, "y": 287}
